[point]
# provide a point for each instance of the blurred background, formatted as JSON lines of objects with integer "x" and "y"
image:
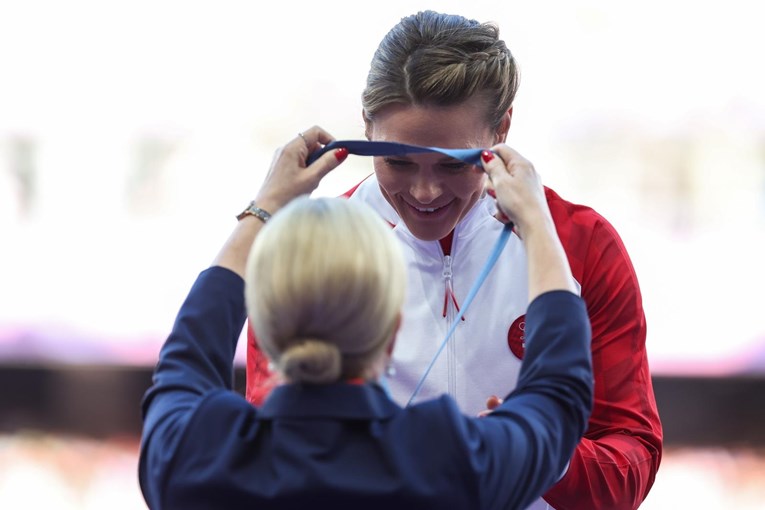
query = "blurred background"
{"x": 132, "y": 133}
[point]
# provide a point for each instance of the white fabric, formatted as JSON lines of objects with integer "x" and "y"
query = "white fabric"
{"x": 468, "y": 369}
{"x": 477, "y": 363}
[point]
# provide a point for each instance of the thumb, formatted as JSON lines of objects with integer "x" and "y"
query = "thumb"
{"x": 492, "y": 164}
{"x": 327, "y": 162}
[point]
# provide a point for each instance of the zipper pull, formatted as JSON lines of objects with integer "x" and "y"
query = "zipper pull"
{"x": 447, "y": 274}
{"x": 448, "y": 288}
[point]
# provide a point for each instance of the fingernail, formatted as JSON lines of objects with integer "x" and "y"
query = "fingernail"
{"x": 492, "y": 193}
{"x": 487, "y": 156}
{"x": 341, "y": 154}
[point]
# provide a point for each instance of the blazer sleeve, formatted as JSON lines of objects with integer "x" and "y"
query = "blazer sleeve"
{"x": 520, "y": 449}
{"x": 196, "y": 359}
{"x": 615, "y": 464}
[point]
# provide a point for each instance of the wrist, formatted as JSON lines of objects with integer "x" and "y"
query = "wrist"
{"x": 256, "y": 211}
{"x": 270, "y": 203}
{"x": 535, "y": 222}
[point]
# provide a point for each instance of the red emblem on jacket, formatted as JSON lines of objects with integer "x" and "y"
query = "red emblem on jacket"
{"x": 516, "y": 338}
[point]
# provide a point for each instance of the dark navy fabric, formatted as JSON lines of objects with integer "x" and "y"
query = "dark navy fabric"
{"x": 367, "y": 148}
{"x": 349, "y": 446}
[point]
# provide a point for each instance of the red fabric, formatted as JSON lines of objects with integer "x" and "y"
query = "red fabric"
{"x": 259, "y": 379}
{"x": 446, "y": 243}
{"x": 615, "y": 465}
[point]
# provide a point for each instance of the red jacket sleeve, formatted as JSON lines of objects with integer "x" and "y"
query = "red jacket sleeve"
{"x": 260, "y": 379}
{"x": 614, "y": 466}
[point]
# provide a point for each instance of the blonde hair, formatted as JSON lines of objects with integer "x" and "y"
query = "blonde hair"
{"x": 435, "y": 59}
{"x": 325, "y": 284}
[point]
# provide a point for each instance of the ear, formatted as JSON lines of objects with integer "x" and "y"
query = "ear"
{"x": 500, "y": 136}
{"x": 389, "y": 349}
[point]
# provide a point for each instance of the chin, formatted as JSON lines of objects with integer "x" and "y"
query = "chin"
{"x": 429, "y": 234}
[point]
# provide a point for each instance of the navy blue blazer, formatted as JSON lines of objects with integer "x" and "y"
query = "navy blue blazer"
{"x": 349, "y": 446}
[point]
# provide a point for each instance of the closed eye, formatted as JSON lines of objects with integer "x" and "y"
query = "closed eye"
{"x": 454, "y": 165}
{"x": 398, "y": 162}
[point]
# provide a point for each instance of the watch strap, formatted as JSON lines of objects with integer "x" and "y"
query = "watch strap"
{"x": 253, "y": 210}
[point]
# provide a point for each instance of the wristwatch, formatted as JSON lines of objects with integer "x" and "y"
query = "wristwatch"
{"x": 253, "y": 210}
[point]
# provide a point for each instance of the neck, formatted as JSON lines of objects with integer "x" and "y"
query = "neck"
{"x": 446, "y": 243}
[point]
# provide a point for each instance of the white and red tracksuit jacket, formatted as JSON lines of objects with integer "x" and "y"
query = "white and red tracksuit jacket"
{"x": 615, "y": 464}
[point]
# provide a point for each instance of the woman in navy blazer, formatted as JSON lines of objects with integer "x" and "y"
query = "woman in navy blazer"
{"x": 323, "y": 284}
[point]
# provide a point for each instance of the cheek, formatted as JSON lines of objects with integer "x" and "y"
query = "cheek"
{"x": 387, "y": 180}
{"x": 469, "y": 184}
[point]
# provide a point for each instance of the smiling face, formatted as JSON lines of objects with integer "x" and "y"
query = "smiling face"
{"x": 431, "y": 192}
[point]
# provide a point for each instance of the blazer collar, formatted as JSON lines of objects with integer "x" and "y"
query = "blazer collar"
{"x": 351, "y": 401}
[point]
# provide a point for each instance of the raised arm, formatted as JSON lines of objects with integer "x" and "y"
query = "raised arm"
{"x": 534, "y": 432}
{"x": 197, "y": 357}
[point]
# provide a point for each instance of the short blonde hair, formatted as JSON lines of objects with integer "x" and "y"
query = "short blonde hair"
{"x": 325, "y": 284}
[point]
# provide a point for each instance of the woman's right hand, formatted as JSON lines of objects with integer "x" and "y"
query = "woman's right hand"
{"x": 289, "y": 177}
{"x": 516, "y": 186}
{"x": 521, "y": 197}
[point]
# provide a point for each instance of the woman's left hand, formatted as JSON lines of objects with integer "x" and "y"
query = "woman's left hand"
{"x": 289, "y": 177}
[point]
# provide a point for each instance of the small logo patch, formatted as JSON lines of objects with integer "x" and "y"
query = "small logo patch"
{"x": 516, "y": 338}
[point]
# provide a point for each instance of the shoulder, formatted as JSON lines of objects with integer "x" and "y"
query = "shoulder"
{"x": 431, "y": 424}
{"x": 361, "y": 188}
{"x": 368, "y": 191}
{"x": 584, "y": 233}
{"x": 571, "y": 219}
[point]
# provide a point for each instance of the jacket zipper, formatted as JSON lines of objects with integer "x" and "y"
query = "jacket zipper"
{"x": 451, "y": 308}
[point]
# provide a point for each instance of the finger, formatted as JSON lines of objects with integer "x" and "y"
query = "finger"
{"x": 327, "y": 162}
{"x": 507, "y": 153}
{"x": 502, "y": 217}
{"x": 303, "y": 145}
{"x": 492, "y": 164}
{"x": 315, "y": 137}
{"x": 513, "y": 160}
{"x": 492, "y": 402}
{"x": 499, "y": 215}
{"x": 488, "y": 187}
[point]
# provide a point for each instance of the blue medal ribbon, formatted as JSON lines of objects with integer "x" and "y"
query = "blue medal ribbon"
{"x": 367, "y": 148}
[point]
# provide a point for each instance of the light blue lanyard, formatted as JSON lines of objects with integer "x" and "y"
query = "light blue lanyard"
{"x": 493, "y": 256}
{"x": 470, "y": 156}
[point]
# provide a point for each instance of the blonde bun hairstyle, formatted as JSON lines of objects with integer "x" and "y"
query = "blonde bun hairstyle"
{"x": 325, "y": 283}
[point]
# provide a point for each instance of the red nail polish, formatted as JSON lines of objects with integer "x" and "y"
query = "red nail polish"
{"x": 341, "y": 154}
{"x": 487, "y": 156}
{"x": 491, "y": 193}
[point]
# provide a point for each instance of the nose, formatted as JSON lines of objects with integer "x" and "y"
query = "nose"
{"x": 425, "y": 188}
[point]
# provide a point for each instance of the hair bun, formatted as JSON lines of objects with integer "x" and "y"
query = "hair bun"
{"x": 311, "y": 361}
